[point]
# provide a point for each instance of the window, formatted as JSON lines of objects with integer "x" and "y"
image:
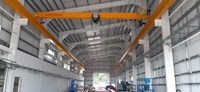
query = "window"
{"x": 100, "y": 81}
{"x": 66, "y": 66}
{"x": 51, "y": 52}
{"x": 2, "y": 76}
{"x": 17, "y": 84}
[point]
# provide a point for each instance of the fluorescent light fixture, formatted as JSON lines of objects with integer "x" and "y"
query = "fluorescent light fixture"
{"x": 92, "y": 47}
{"x": 98, "y": 46}
{"x": 97, "y": 38}
{"x": 90, "y": 39}
{"x": 94, "y": 38}
{"x": 91, "y": 43}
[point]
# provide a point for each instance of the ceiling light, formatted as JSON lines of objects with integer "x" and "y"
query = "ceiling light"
{"x": 91, "y": 43}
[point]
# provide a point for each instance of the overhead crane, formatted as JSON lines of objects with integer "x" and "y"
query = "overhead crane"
{"x": 89, "y": 15}
{"x": 33, "y": 19}
{"x": 96, "y": 17}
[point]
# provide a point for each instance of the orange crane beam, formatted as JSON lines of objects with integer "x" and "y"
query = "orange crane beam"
{"x": 19, "y": 8}
{"x": 88, "y": 15}
{"x": 160, "y": 10}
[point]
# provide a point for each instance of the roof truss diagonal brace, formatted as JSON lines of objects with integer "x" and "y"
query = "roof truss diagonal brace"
{"x": 98, "y": 55}
{"x": 123, "y": 37}
{"x": 97, "y": 52}
{"x": 102, "y": 58}
{"x": 159, "y": 11}
{"x": 139, "y": 3}
{"x": 92, "y": 29}
{"x": 101, "y": 51}
{"x": 106, "y": 54}
{"x": 21, "y": 10}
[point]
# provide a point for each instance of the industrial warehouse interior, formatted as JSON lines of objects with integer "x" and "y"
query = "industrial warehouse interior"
{"x": 99, "y": 45}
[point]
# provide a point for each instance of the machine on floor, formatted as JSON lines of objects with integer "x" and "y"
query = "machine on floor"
{"x": 73, "y": 86}
{"x": 144, "y": 85}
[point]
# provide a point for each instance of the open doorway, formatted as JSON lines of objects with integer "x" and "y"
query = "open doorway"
{"x": 100, "y": 81}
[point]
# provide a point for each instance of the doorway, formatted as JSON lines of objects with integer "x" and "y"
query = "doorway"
{"x": 100, "y": 81}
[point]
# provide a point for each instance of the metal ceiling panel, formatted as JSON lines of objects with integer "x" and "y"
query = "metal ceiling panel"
{"x": 60, "y": 25}
{"x": 81, "y": 3}
{"x": 77, "y": 23}
{"x": 68, "y": 3}
{"x": 86, "y": 23}
{"x": 52, "y": 4}
{"x": 90, "y": 2}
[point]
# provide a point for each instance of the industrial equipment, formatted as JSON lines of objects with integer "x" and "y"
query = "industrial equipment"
{"x": 124, "y": 86}
{"x": 73, "y": 86}
{"x": 144, "y": 85}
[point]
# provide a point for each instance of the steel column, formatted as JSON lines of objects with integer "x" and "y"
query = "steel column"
{"x": 127, "y": 70}
{"x": 42, "y": 46}
{"x": 146, "y": 58}
{"x": 160, "y": 10}
{"x": 14, "y": 4}
{"x": 168, "y": 54}
{"x": 14, "y": 40}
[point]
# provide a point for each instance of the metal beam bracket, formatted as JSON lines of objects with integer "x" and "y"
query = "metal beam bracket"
{"x": 22, "y": 21}
{"x": 159, "y": 22}
{"x": 142, "y": 41}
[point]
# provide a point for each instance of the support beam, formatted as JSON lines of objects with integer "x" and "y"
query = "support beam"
{"x": 134, "y": 70}
{"x": 127, "y": 70}
{"x": 97, "y": 58}
{"x": 88, "y": 15}
{"x": 6, "y": 49}
{"x": 100, "y": 52}
{"x": 124, "y": 37}
{"x": 168, "y": 54}
{"x": 20, "y": 9}
{"x": 147, "y": 64}
{"x": 159, "y": 11}
{"x": 64, "y": 34}
{"x": 42, "y": 46}
{"x": 96, "y": 48}
{"x": 14, "y": 41}
{"x": 99, "y": 55}
{"x": 138, "y": 3}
